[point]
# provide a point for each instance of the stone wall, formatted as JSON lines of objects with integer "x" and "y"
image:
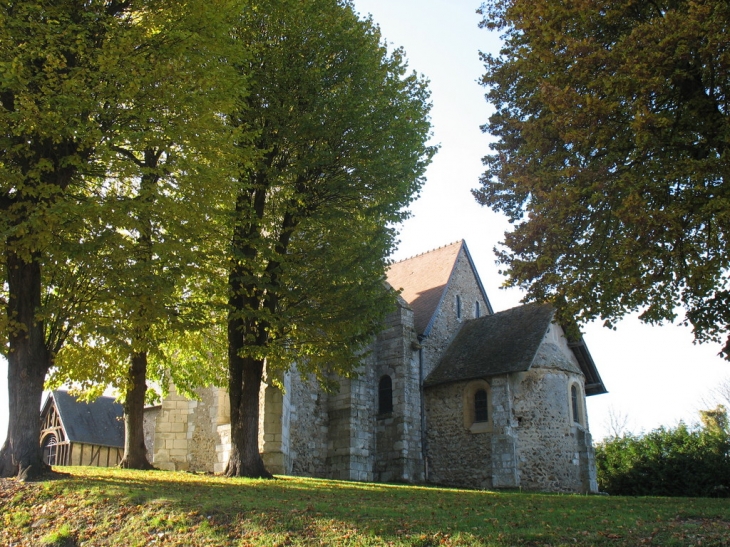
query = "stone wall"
{"x": 171, "y": 432}
{"x": 149, "y": 422}
{"x": 202, "y": 434}
{"x": 307, "y": 420}
{"x": 222, "y": 448}
{"x": 505, "y": 446}
{"x": 446, "y": 323}
{"x": 398, "y": 442}
{"x": 339, "y": 434}
{"x": 548, "y": 447}
{"x": 456, "y": 456}
{"x": 273, "y": 447}
{"x": 555, "y": 453}
{"x": 350, "y": 434}
{"x": 185, "y": 431}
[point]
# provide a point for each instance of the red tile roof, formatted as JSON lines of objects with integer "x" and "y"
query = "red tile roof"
{"x": 423, "y": 279}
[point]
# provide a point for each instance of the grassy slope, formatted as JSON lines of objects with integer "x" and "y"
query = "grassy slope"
{"x": 95, "y": 506}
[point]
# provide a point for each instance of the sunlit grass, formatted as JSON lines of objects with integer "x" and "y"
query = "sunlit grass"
{"x": 126, "y": 507}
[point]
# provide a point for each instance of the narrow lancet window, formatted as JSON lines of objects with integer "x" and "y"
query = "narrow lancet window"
{"x": 385, "y": 395}
{"x": 574, "y": 403}
{"x": 481, "y": 414}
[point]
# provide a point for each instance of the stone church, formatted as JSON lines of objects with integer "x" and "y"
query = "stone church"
{"x": 451, "y": 393}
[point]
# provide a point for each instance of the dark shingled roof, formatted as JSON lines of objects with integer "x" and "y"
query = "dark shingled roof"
{"x": 506, "y": 342}
{"x": 494, "y": 344}
{"x": 98, "y": 422}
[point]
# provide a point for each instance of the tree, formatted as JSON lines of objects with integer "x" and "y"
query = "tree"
{"x": 82, "y": 82}
{"x": 51, "y": 122}
{"x": 340, "y": 140}
{"x": 679, "y": 461}
{"x": 617, "y": 422}
{"x": 612, "y": 156}
{"x": 164, "y": 176}
{"x": 715, "y": 420}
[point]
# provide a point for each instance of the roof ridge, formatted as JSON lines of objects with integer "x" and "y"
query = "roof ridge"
{"x": 429, "y": 251}
{"x": 71, "y": 393}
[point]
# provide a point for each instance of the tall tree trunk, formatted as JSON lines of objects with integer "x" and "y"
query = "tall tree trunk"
{"x": 135, "y": 451}
{"x": 244, "y": 383}
{"x": 245, "y": 459}
{"x": 28, "y": 363}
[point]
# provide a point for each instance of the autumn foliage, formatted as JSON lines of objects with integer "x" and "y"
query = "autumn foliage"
{"x": 611, "y": 156}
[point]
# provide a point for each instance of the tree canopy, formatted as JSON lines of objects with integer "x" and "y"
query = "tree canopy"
{"x": 164, "y": 171}
{"x": 340, "y": 151}
{"x": 83, "y": 85}
{"x": 52, "y": 119}
{"x": 151, "y": 151}
{"x": 612, "y": 156}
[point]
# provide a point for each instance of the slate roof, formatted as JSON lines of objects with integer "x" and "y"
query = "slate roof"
{"x": 504, "y": 343}
{"x": 98, "y": 422}
{"x": 494, "y": 344}
{"x": 423, "y": 280}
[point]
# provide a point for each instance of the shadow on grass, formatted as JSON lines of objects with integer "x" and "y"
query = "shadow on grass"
{"x": 290, "y": 509}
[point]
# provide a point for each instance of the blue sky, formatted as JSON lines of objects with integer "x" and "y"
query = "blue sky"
{"x": 655, "y": 375}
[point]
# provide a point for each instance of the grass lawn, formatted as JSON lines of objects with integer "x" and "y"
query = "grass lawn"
{"x": 97, "y": 506}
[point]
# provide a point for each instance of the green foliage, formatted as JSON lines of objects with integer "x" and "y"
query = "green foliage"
{"x": 60, "y": 538}
{"x": 666, "y": 462}
{"x": 150, "y": 250}
{"x": 612, "y": 158}
{"x": 715, "y": 420}
{"x": 340, "y": 150}
{"x": 52, "y": 119}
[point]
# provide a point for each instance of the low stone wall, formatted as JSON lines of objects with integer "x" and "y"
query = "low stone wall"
{"x": 185, "y": 431}
{"x": 222, "y": 448}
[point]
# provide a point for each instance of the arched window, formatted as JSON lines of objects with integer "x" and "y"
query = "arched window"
{"x": 49, "y": 449}
{"x": 458, "y": 306}
{"x": 476, "y": 402}
{"x": 385, "y": 395}
{"x": 481, "y": 412}
{"x": 574, "y": 404}
{"x": 477, "y": 310}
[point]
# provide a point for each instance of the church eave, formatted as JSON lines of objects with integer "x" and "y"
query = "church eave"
{"x": 593, "y": 382}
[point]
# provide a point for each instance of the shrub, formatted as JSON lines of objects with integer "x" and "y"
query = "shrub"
{"x": 666, "y": 462}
